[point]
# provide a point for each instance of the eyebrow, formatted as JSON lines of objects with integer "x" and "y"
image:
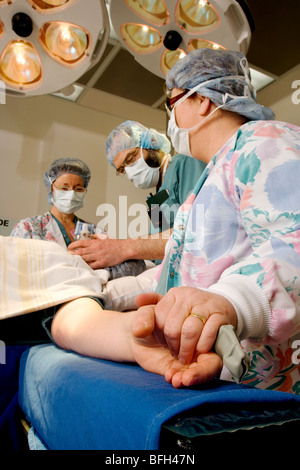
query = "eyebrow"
{"x": 78, "y": 185}
{"x": 130, "y": 154}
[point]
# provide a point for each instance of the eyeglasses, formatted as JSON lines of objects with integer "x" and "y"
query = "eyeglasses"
{"x": 171, "y": 101}
{"x": 186, "y": 93}
{"x": 77, "y": 189}
{"x": 129, "y": 160}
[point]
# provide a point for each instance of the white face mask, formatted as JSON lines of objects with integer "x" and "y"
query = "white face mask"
{"x": 142, "y": 175}
{"x": 68, "y": 202}
{"x": 180, "y": 137}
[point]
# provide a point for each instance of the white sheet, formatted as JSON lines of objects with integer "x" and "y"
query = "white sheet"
{"x": 36, "y": 274}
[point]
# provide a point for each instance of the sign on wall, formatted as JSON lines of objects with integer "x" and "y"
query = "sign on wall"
{"x": 6, "y": 225}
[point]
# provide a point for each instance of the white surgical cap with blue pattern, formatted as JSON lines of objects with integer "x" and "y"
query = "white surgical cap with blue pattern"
{"x": 131, "y": 134}
{"x": 62, "y": 166}
{"x": 226, "y": 81}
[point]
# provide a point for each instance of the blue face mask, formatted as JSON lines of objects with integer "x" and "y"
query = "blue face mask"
{"x": 68, "y": 202}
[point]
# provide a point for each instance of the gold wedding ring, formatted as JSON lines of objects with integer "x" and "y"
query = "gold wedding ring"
{"x": 197, "y": 315}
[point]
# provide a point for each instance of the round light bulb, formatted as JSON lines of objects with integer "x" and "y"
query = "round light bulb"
{"x": 141, "y": 38}
{"x": 169, "y": 59}
{"x": 199, "y": 43}
{"x": 154, "y": 11}
{"x": 65, "y": 42}
{"x": 20, "y": 64}
{"x": 196, "y": 16}
{"x": 47, "y": 4}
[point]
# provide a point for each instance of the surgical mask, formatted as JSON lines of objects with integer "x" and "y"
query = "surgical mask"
{"x": 180, "y": 136}
{"x": 68, "y": 202}
{"x": 142, "y": 175}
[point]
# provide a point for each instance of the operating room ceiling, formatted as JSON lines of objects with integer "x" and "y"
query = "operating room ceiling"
{"x": 274, "y": 49}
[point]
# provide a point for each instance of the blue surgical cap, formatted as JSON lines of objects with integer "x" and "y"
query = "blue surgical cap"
{"x": 62, "y": 166}
{"x": 131, "y": 134}
{"x": 223, "y": 77}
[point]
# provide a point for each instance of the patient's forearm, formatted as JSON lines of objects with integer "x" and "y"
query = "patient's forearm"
{"x": 84, "y": 327}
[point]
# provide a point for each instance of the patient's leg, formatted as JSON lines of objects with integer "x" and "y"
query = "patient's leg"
{"x": 84, "y": 327}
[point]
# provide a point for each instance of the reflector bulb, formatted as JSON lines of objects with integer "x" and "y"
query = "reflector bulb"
{"x": 47, "y": 4}
{"x": 195, "y": 16}
{"x": 141, "y": 38}
{"x": 169, "y": 59}
{"x": 64, "y": 41}
{"x": 199, "y": 43}
{"x": 20, "y": 64}
{"x": 154, "y": 11}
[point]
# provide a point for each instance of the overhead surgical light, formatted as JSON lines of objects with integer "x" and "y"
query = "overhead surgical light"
{"x": 46, "y": 45}
{"x": 160, "y": 32}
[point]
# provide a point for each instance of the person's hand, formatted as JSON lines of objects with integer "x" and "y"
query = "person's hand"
{"x": 186, "y": 335}
{"x": 157, "y": 359}
{"x": 100, "y": 252}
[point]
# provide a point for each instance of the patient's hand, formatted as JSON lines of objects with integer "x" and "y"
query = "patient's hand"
{"x": 183, "y": 334}
{"x": 157, "y": 359}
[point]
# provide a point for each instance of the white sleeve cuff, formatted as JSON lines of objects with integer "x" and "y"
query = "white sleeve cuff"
{"x": 121, "y": 292}
{"x": 251, "y": 305}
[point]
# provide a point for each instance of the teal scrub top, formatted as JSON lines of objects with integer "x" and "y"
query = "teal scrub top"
{"x": 180, "y": 179}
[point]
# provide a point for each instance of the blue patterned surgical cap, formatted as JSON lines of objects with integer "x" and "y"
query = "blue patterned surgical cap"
{"x": 223, "y": 77}
{"x": 131, "y": 134}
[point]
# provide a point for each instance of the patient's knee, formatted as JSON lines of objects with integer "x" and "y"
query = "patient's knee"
{"x": 65, "y": 328}
{"x": 73, "y": 321}
{"x": 60, "y": 330}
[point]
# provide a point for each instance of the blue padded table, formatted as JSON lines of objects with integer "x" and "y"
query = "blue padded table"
{"x": 80, "y": 403}
{"x": 10, "y": 438}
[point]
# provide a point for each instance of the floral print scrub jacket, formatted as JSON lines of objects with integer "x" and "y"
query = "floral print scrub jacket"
{"x": 40, "y": 227}
{"x": 238, "y": 234}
